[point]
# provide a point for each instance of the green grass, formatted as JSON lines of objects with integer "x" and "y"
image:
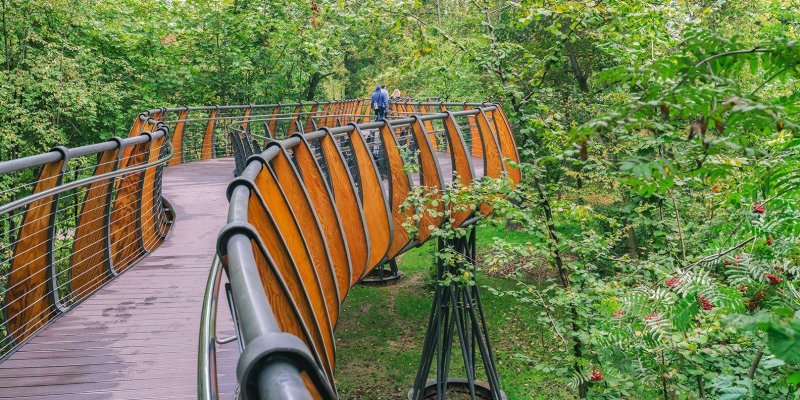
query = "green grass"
{"x": 381, "y": 329}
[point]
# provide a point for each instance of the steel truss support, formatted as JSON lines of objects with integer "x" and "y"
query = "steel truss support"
{"x": 457, "y": 311}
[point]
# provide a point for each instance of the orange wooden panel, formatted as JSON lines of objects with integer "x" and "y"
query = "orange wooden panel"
{"x": 306, "y": 217}
{"x": 325, "y": 115}
{"x": 136, "y": 130}
{"x": 125, "y": 229}
{"x": 400, "y": 186}
{"x": 310, "y": 120}
{"x": 508, "y": 147}
{"x": 90, "y": 266}
{"x": 207, "y": 151}
{"x": 493, "y": 165}
{"x": 246, "y": 118}
{"x": 366, "y": 111}
{"x": 328, "y": 216}
{"x": 293, "y": 122}
{"x": 149, "y": 208}
{"x": 462, "y": 165}
{"x": 273, "y": 123}
{"x": 350, "y": 211}
{"x": 177, "y": 139}
{"x": 288, "y": 230}
{"x": 311, "y": 308}
{"x": 28, "y": 304}
{"x": 374, "y": 201}
{"x": 423, "y": 109}
{"x": 493, "y": 161}
{"x": 431, "y": 177}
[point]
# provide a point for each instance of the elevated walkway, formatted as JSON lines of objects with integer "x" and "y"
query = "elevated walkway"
{"x": 136, "y": 338}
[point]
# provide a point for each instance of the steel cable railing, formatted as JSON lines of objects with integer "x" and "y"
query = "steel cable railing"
{"x": 72, "y": 219}
{"x": 270, "y": 344}
{"x": 82, "y": 222}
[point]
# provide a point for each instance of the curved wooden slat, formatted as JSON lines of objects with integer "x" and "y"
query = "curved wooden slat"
{"x": 374, "y": 201}
{"x": 399, "y": 189}
{"x": 90, "y": 265}
{"x": 306, "y": 218}
{"x": 508, "y": 145}
{"x": 246, "y": 119}
{"x": 295, "y": 118}
{"x": 309, "y": 310}
{"x": 273, "y": 122}
{"x": 149, "y": 213}
{"x": 178, "y": 156}
{"x": 346, "y": 200}
{"x": 431, "y": 178}
{"x": 207, "y": 151}
{"x": 309, "y": 126}
{"x": 270, "y": 193}
{"x": 125, "y": 229}
{"x": 29, "y": 302}
{"x": 328, "y": 215}
{"x": 462, "y": 165}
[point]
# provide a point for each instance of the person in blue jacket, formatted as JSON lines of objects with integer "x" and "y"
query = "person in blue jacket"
{"x": 380, "y": 102}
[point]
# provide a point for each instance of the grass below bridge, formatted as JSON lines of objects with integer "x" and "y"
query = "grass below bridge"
{"x": 381, "y": 330}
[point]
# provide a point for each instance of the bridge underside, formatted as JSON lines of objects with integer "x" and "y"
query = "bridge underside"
{"x": 136, "y": 338}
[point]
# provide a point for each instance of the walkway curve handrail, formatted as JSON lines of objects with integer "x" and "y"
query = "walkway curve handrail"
{"x": 95, "y": 178}
{"x": 242, "y": 242}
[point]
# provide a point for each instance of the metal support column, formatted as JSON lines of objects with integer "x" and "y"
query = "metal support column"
{"x": 457, "y": 311}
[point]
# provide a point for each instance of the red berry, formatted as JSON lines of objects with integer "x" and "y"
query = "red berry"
{"x": 769, "y": 240}
{"x": 673, "y": 282}
{"x": 596, "y": 375}
{"x": 705, "y": 303}
{"x": 618, "y": 313}
{"x": 758, "y": 208}
{"x": 774, "y": 280}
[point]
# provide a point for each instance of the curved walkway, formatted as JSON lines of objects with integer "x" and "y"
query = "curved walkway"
{"x": 136, "y": 338}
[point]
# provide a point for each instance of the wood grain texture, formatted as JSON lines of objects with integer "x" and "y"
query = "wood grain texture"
{"x": 90, "y": 266}
{"x": 324, "y": 116}
{"x": 399, "y": 189}
{"x": 493, "y": 165}
{"x": 149, "y": 213}
{"x": 28, "y": 304}
{"x": 306, "y": 217}
{"x": 246, "y": 118}
{"x": 327, "y": 214}
{"x": 508, "y": 147}
{"x": 431, "y": 178}
{"x": 292, "y": 316}
{"x": 295, "y": 117}
{"x": 309, "y": 126}
{"x": 273, "y": 122}
{"x": 346, "y": 199}
{"x": 125, "y": 230}
{"x": 462, "y": 166}
{"x": 374, "y": 202}
{"x": 207, "y": 151}
{"x": 177, "y": 139}
{"x": 288, "y": 231}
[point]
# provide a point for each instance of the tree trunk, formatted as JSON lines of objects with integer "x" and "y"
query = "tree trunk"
{"x": 312, "y": 85}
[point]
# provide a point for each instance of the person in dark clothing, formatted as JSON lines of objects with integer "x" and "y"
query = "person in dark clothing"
{"x": 380, "y": 102}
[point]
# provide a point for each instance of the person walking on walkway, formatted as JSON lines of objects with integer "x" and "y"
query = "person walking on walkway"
{"x": 380, "y": 101}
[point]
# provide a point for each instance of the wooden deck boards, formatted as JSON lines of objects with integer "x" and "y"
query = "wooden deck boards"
{"x": 136, "y": 338}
